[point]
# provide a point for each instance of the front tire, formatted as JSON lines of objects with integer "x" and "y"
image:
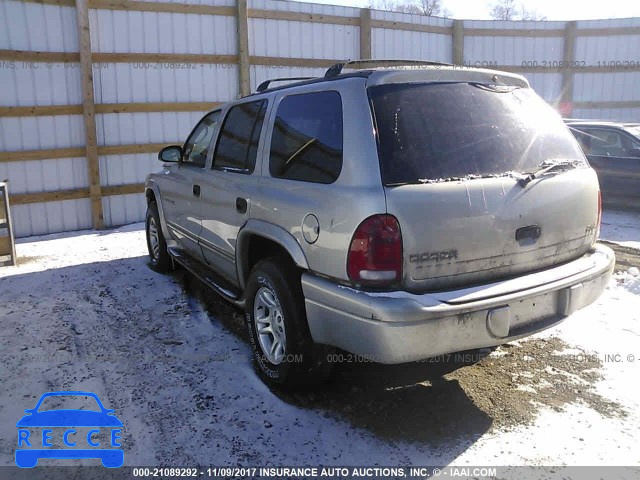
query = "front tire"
{"x": 276, "y": 322}
{"x": 159, "y": 259}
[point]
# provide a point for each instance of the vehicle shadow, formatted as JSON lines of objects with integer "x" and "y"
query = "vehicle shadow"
{"x": 413, "y": 402}
{"x": 132, "y": 336}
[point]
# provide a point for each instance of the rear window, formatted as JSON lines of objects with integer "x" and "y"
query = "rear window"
{"x": 442, "y": 131}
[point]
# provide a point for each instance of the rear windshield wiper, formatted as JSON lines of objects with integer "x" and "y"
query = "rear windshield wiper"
{"x": 494, "y": 87}
{"x": 546, "y": 167}
{"x": 470, "y": 176}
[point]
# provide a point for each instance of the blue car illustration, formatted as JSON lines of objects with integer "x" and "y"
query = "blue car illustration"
{"x": 32, "y": 446}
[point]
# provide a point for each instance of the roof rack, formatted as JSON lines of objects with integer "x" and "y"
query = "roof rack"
{"x": 265, "y": 85}
{"x": 588, "y": 120}
{"x": 336, "y": 69}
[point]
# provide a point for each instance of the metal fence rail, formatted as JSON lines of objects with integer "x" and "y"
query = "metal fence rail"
{"x": 93, "y": 88}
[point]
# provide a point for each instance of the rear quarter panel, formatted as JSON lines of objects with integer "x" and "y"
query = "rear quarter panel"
{"x": 340, "y": 206}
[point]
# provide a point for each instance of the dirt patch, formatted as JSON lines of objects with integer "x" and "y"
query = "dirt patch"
{"x": 26, "y": 260}
{"x": 625, "y": 256}
{"x": 444, "y": 398}
{"x": 464, "y": 394}
{"x": 513, "y": 383}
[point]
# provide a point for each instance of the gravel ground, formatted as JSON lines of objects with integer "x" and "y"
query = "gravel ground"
{"x": 83, "y": 311}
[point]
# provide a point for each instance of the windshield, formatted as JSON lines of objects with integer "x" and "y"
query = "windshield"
{"x": 430, "y": 132}
{"x": 69, "y": 402}
{"x": 633, "y": 130}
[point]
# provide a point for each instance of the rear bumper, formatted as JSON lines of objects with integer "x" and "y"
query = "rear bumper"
{"x": 398, "y": 327}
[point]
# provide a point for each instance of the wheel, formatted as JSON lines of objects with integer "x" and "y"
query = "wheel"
{"x": 26, "y": 459}
{"x": 159, "y": 258}
{"x": 279, "y": 335}
{"x": 112, "y": 459}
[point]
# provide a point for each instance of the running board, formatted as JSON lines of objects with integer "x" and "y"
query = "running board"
{"x": 206, "y": 276}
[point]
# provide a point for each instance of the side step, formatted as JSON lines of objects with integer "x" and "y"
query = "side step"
{"x": 206, "y": 276}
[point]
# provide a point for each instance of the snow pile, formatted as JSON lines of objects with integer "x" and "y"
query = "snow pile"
{"x": 630, "y": 280}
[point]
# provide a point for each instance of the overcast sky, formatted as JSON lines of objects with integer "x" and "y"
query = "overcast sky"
{"x": 552, "y": 9}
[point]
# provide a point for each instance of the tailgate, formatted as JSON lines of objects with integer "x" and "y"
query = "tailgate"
{"x": 473, "y": 231}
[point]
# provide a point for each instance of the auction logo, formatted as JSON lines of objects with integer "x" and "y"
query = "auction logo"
{"x": 52, "y": 430}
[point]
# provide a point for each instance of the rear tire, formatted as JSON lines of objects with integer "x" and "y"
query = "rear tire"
{"x": 275, "y": 318}
{"x": 159, "y": 258}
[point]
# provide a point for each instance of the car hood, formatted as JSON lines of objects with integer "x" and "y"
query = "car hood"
{"x": 69, "y": 418}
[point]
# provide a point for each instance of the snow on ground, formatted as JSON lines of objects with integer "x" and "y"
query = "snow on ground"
{"x": 84, "y": 312}
{"x": 621, "y": 227}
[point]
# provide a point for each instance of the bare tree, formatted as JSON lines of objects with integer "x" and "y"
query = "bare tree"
{"x": 510, "y": 10}
{"x": 430, "y": 8}
{"x": 504, "y": 10}
{"x": 530, "y": 15}
{"x": 433, "y": 8}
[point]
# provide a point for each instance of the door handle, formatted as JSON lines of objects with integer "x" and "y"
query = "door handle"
{"x": 196, "y": 190}
{"x": 241, "y": 205}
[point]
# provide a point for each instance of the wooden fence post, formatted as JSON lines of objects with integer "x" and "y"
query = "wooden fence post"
{"x": 457, "y": 54}
{"x": 89, "y": 112}
{"x": 365, "y": 33}
{"x": 570, "y": 31}
{"x": 244, "y": 74}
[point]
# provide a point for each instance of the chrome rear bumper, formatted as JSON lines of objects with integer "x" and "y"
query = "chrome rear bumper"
{"x": 398, "y": 327}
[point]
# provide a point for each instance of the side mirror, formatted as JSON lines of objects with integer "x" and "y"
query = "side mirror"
{"x": 635, "y": 152}
{"x": 170, "y": 154}
{"x": 29, "y": 410}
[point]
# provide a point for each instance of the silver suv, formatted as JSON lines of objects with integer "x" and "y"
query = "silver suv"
{"x": 395, "y": 213}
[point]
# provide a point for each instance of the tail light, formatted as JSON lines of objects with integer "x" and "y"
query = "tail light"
{"x": 599, "y": 221}
{"x": 375, "y": 253}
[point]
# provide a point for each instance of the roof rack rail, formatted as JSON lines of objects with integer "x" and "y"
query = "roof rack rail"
{"x": 265, "y": 85}
{"x": 588, "y": 120}
{"x": 336, "y": 69}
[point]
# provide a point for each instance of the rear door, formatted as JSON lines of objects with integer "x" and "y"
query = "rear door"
{"x": 451, "y": 156}
{"x": 614, "y": 155}
{"x": 181, "y": 186}
{"x": 227, "y": 188}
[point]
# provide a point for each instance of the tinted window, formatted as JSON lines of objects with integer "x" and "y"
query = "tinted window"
{"x": 196, "y": 148}
{"x": 448, "y": 130}
{"x": 306, "y": 144}
{"x": 606, "y": 143}
{"x": 238, "y": 142}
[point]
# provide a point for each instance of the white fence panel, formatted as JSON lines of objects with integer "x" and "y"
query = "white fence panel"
{"x": 411, "y": 45}
{"x": 613, "y": 93}
{"x": 34, "y": 26}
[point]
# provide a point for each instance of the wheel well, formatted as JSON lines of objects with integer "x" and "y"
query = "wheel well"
{"x": 260, "y": 247}
{"x": 151, "y": 197}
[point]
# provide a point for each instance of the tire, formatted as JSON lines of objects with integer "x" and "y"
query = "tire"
{"x": 159, "y": 258}
{"x": 274, "y": 295}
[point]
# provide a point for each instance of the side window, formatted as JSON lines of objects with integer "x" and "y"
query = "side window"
{"x": 238, "y": 141}
{"x": 609, "y": 143}
{"x": 306, "y": 144}
{"x": 584, "y": 139}
{"x": 197, "y": 146}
